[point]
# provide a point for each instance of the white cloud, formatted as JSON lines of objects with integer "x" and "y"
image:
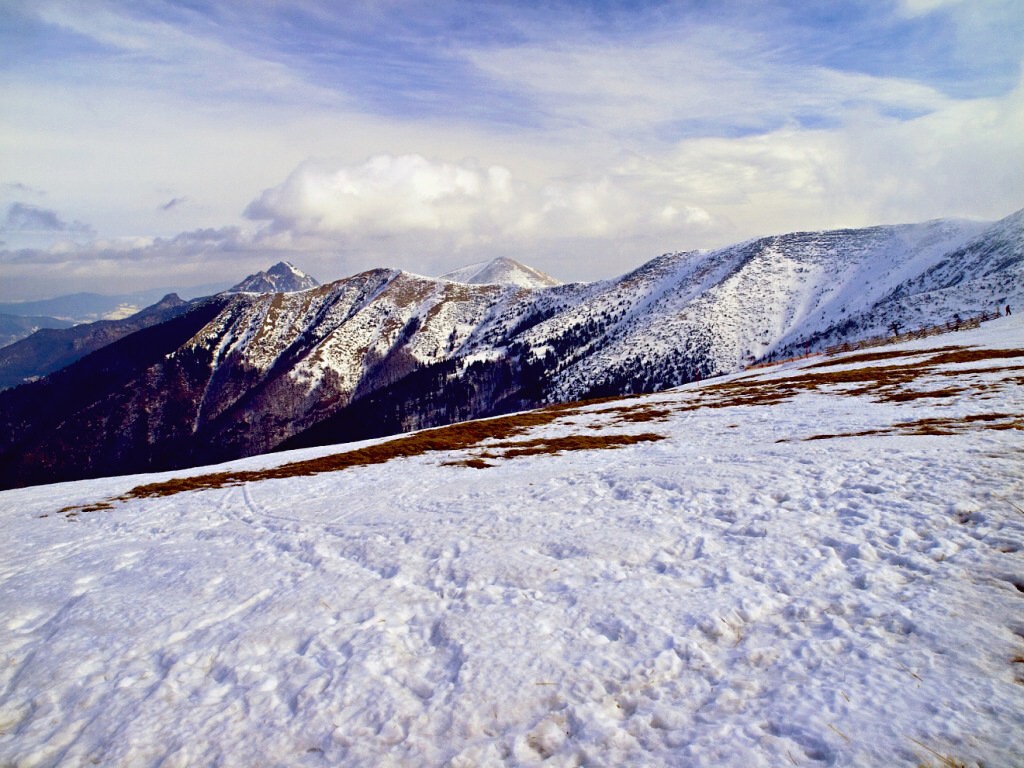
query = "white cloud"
{"x": 395, "y": 195}
{"x": 388, "y": 194}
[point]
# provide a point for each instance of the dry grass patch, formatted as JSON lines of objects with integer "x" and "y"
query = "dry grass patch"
{"x": 551, "y": 445}
{"x": 973, "y": 355}
{"x": 72, "y": 512}
{"x": 454, "y": 437}
{"x": 471, "y": 463}
{"x": 944, "y": 761}
{"x": 911, "y": 394}
{"x": 639, "y": 413}
{"x": 936, "y": 426}
{"x": 863, "y": 433}
{"x": 1004, "y": 369}
{"x": 870, "y": 357}
{"x": 952, "y": 426}
{"x": 887, "y": 383}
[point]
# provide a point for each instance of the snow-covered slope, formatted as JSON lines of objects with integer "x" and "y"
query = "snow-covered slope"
{"x": 501, "y": 271}
{"x": 283, "y": 277}
{"x": 820, "y": 564}
{"x": 690, "y": 315}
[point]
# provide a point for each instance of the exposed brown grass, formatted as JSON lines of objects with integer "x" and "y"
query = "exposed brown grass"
{"x": 886, "y": 383}
{"x": 72, "y": 512}
{"x": 756, "y": 395}
{"x": 1003, "y": 370}
{"x": 863, "y": 433}
{"x": 551, "y": 445}
{"x": 953, "y": 425}
{"x": 944, "y": 761}
{"x": 471, "y": 463}
{"x": 639, "y": 413}
{"x": 937, "y": 426}
{"x": 451, "y": 438}
{"x": 973, "y": 355}
{"x": 99, "y": 506}
{"x": 870, "y": 357}
{"x": 914, "y": 394}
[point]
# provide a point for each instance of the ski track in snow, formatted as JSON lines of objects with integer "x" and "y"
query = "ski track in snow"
{"x": 717, "y": 598}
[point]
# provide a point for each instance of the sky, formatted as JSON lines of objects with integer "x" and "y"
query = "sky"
{"x": 153, "y": 143}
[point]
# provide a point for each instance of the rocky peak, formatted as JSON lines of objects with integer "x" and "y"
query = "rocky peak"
{"x": 283, "y": 277}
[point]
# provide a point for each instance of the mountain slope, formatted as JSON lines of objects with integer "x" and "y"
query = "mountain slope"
{"x": 816, "y": 564}
{"x": 984, "y": 272}
{"x": 693, "y": 315}
{"x": 386, "y": 351}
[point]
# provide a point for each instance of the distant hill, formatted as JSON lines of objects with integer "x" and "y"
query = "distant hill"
{"x": 16, "y": 327}
{"x": 89, "y": 307}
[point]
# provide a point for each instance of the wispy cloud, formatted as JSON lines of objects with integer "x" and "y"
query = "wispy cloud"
{"x": 174, "y": 202}
{"x": 22, "y": 217}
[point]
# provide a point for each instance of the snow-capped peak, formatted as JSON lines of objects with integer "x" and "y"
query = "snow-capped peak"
{"x": 501, "y": 271}
{"x": 283, "y": 277}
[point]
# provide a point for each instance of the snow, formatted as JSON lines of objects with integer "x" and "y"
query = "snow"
{"x": 731, "y": 595}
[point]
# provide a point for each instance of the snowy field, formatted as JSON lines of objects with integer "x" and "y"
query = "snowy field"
{"x": 721, "y": 591}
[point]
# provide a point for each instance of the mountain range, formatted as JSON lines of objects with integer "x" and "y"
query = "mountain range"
{"x": 49, "y": 349}
{"x": 387, "y": 351}
{"x": 34, "y": 353}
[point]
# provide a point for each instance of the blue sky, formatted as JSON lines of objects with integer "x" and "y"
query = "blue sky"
{"x": 168, "y": 143}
